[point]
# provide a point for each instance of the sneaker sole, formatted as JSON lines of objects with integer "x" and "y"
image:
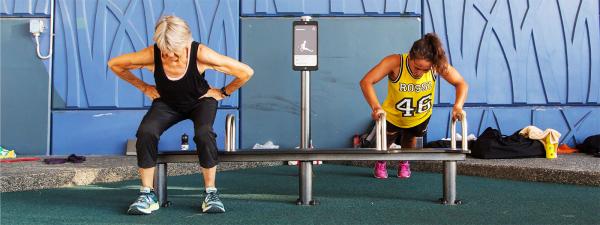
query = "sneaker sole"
{"x": 139, "y": 211}
{"x": 402, "y": 177}
{"x": 213, "y": 210}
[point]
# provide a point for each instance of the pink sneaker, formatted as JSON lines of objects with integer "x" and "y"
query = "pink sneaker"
{"x": 404, "y": 169}
{"x": 380, "y": 170}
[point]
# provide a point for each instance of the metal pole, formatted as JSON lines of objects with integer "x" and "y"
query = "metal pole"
{"x": 450, "y": 166}
{"x": 305, "y": 166}
{"x": 230, "y": 134}
{"x": 380, "y": 134}
{"x": 450, "y": 182}
{"x": 305, "y": 120}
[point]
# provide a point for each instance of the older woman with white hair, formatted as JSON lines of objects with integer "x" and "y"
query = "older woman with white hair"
{"x": 181, "y": 93}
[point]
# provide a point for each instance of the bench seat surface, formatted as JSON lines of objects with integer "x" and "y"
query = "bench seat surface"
{"x": 241, "y": 155}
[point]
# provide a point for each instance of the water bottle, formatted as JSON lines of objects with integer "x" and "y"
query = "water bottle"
{"x": 419, "y": 141}
{"x": 550, "y": 148}
{"x": 184, "y": 142}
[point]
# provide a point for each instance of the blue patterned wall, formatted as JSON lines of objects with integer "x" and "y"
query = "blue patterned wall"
{"x": 527, "y": 62}
{"x": 330, "y": 7}
{"x": 21, "y": 8}
{"x": 89, "y": 33}
{"x": 521, "y": 52}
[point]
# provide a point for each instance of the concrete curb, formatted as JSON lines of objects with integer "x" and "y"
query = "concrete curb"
{"x": 25, "y": 176}
{"x": 579, "y": 169}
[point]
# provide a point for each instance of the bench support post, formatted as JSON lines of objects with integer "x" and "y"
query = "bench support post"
{"x": 450, "y": 166}
{"x": 160, "y": 185}
{"x": 306, "y": 184}
{"x": 450, "y": 184}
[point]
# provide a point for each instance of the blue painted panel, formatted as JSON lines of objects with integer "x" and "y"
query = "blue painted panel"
{"x": 105, "y": 132}
{"x": 350, "y": 46}
{"x": 24, "y": 84}
{"x": 89, "y": 33}
{"x": 574, "y": 123}
{"x": 525, "y": 52}
{"x": 330, "y": 7}
{"x": 25, "y": 8}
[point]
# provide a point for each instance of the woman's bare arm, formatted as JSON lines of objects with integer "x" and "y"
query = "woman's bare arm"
{"x": 209, "y": 59}
{"x": 123, "y": 64}
{"x": 376, "y": 74}
{"x": 453, "y": 77}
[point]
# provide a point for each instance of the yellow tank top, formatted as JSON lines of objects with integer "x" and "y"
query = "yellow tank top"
{"x": 409, "y": 101}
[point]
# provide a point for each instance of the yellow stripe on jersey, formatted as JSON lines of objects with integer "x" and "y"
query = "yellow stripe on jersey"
{"x": 409, "y": 101}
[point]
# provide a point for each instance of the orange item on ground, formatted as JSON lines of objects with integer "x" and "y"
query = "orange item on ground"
{"x": 565, "y": 149}
{"x": 23, "y": 159}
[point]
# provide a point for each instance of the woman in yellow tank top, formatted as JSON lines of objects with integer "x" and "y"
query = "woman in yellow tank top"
{"x": 411, "y": 90}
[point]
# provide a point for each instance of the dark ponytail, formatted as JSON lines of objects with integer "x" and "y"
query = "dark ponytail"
{"x": 430, "y": 48}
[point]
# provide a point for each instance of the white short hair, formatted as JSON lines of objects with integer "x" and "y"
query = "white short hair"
{"x": 172, "y": 33}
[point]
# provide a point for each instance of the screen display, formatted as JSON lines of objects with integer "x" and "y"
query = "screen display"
{"x": 305, "y": 45}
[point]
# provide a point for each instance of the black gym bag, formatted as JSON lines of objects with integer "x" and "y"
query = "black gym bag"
{"x": 591, "y": 145}
{"x": 491, "y": 144}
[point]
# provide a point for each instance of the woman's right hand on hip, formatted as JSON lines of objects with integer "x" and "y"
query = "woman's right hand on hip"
{"x": 151, "y": 92}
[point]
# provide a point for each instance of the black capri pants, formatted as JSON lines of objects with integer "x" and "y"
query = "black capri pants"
{"x": 161, "y": 117}
{"x": 393, "y": 132}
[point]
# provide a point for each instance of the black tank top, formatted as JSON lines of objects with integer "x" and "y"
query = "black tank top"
{"x": 182, "y": 94}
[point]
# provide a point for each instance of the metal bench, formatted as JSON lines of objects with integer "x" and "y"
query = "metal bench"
{"x": 448, "y": 156}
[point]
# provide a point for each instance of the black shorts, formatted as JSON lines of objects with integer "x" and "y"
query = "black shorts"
{"x": 393, "y": 132}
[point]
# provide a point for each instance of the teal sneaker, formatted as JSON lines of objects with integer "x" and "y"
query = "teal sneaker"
{"x": 145, "y": 204}
{"x": 212, "y": 203}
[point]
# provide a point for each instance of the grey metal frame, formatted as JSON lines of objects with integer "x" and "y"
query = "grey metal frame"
{"x": 448, "y": 155}
{"x": 341, "y": 154}
{"x": 230, "y": 133}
